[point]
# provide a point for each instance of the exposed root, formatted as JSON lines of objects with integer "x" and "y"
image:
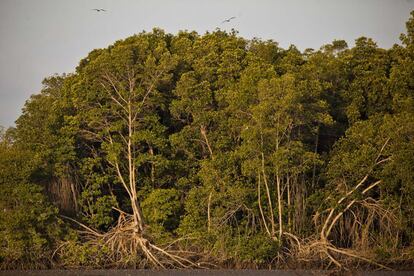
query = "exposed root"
{"x": 354, "y": 255}
{"x": 359, "y": 222}
{"x": 124, "y": 246}
{"x": 323, "y": 251}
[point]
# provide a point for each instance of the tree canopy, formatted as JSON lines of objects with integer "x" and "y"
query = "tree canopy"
{"x": 193, "y": 150}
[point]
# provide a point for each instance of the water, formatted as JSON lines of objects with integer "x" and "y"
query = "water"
{"x": 172, "y": 272}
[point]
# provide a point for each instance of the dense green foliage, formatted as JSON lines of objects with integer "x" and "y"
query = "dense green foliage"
{"x": 29, "y": 227}
{"x": 238, "y": 150}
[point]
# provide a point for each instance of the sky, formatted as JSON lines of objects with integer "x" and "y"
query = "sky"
{"x": 44, "y": 37}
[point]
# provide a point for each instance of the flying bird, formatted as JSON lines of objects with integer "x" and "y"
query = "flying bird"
{"x": 99, "y": 10}
{"x": 228, "y": 20}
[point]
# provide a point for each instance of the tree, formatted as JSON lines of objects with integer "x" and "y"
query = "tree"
{"x": 29, "y": 226}
{"x": 41, "y": 130}
{"x": 368, "y": 80}
{"x": 121, "y": 94}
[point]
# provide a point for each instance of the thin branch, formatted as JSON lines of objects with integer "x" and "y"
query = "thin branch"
{"x": 113, "y": 98}
{"x": 108, "y": 78}
{"x": 90, "y": 230}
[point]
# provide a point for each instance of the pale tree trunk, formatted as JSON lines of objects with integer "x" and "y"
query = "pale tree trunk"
{"x": 130, "y": 106}
{"x": 272, "y": 217}
{"x": 279, "y": 205}
{"x": 260, "y": 205}
{"x": 203, "y": 132}
{"x": 269, "y": 199}
{"x": 289, "y": 204}
{"x": 136, "y": 208}
{"x": 129, "y": 115}
{"x": 278, "y": 188}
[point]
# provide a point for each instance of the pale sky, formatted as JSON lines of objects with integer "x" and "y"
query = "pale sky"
{"x": 41, "y": 37}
